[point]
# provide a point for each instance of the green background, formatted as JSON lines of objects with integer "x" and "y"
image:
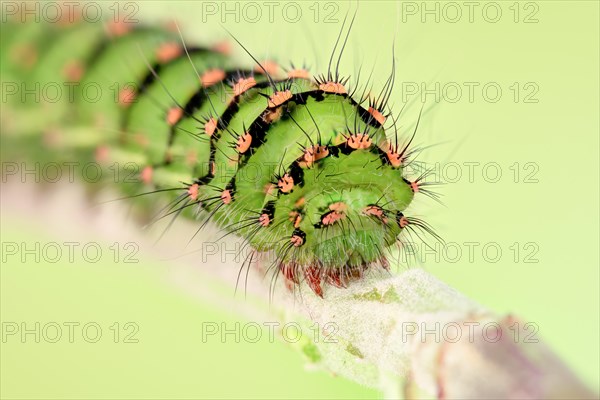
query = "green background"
{"x": 556, "y": 209}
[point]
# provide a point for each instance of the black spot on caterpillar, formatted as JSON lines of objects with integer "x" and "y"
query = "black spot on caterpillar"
{"x": 305, "y": 167}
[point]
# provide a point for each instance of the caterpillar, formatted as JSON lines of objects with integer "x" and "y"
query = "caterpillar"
{"x": 302, "y": 166}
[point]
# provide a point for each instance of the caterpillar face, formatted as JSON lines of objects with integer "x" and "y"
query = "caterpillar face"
{"x": 304, "y": 167}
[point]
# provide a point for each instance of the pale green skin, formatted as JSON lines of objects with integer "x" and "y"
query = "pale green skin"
{"x": 358, "y": 179}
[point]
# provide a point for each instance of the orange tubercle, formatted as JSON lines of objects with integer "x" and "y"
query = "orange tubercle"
{"x": 332, "y": 217}
{"x": 146, "y": 174}
{"x": 359, "y": 141}
{"x": 377, "y": 212}
{"x": 298, "y": 73}
{"x": 270, "y": 67}
{"x": 102, "y": 154}
{"x": 292, "y": 215}
{"x": 278, "y": 98}
{"x": 394, "y": 158}
{"x": 193, "y": 191}
{"x": 297, "y": 221}
{"x": 212, "y": 76}
{"x": 264, "y": 220}
{"x": 243, "y": 143}
{"x": 73, "y": 70}
{"x": 210, "y": 126}
{"x": 243, "y": 85}
{"x": 297, "y": 240}
{"x": 403, "y": 222}
{"x": 223, "y": 47}
{"x": 126, "y": 96}
{"x": 118, "y": 28}
{"x": 270, "y": 116}
{"x": 285, "y": 183}
{"x": 168, "y": 51}
{"x": 314, "y": 153}
{"x": 414, "y": 186}
{"x": 339, "y": 206}
{"x": 377, "y": 115}
{"x": 226, "y": 196}
{"x": 174, "y": 115}
{"x": 333, "y": 87}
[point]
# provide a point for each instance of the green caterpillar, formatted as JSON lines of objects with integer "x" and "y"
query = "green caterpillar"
{"x": 298, "y": 166}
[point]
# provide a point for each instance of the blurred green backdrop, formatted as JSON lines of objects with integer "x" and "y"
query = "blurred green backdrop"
{"x": 522, "y": 165}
